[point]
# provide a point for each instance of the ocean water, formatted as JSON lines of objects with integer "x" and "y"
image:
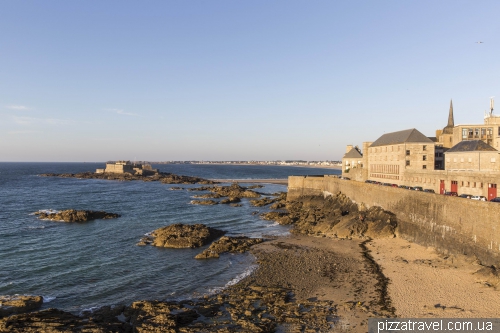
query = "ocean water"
{"x": 78, "y": 266}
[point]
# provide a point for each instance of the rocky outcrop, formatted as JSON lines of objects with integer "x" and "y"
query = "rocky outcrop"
{"x": 335, "y": 216}
{"x": 204, "y": 202}
{"x": 73, "y": 215}
{"x": 233, "y": 191}
{"x": 184, "y": 235}
{"x": 176, "y": 188}
{"x": 165, "y": 178}
{"x": 263, "y": 202}
{"x": 231, "y": 200}
{"x": 19, "y": 304}
{"x": 228, "y": 244}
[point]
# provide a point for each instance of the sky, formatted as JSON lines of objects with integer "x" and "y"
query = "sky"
{"x": 216, "y": 80}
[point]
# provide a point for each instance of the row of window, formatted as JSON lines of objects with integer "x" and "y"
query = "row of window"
{"x": 391, "y": 149}
{"x": 478, "y": 133}
{"x": 469, "y": 160}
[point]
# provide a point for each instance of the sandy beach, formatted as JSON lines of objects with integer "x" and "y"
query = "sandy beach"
{"x": 425, "y": 284}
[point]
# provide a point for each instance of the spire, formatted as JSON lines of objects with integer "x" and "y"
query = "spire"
{"x": 449, "y": 128}
{"x": 451, "y": 123}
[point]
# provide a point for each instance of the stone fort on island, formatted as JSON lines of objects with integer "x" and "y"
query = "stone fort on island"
{"x": 128, "y": 167}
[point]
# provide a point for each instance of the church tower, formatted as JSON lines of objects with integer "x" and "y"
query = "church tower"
{"x": 449, "y": 128}
{"x": 445, "y": 136}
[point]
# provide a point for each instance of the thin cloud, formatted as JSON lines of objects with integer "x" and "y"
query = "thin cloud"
{"x": 122, "y": 112}
{"x": 47, "y": 121}
{"x": 17, "y": 107}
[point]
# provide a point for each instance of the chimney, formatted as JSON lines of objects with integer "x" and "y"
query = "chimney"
{"x": 348, "y": 149}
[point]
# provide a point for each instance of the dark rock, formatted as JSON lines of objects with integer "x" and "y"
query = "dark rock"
{"x": 228, "y": 244}
{"x": 19, "y": 304}
{"x": 204, "y": 202}
{"x": 72, "y": 215}
{"x": 231, "y": 200}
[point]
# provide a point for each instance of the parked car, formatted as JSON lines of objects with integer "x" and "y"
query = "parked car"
{"x": 452, "y": 194}
{"x": 428, "y": 190}
{"x": 497, "y": 199}
{"x": 404, "y": 187}
{"x": 465, "y": 196}
{"x": 394, "y": 185}
{"x": 417, "y": 188}
{"x": 386, "y": 184}
{"x": 478, "y": 197}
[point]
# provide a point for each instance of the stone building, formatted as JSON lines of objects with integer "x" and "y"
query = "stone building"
{"x": 469, "y": 165}
{"x": 393, "y": 153}
{"x": 128, "y": 167}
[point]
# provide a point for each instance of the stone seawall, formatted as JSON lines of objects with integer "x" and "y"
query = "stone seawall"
{"x": 450, "y": 224}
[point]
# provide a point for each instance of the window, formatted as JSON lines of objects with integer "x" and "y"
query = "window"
{"x": 464, "y": 133}
{"x": 407, "y": 153}
{"x": 424, "y": 166}
{"x": 493, "y": 160}
{"x": 424, "y": 158}
{"x": 407, "y": 163}
{"x": 424, "y": 147}
{"x": 474, "y": 184}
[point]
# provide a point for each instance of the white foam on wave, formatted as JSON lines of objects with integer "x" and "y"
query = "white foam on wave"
{"x": 47, "y": 211}
{"x": 234, "y": 281}
{"x": 47, "y": 299}
{"x": 38, "y": 227}
{"x": 241, "y": 276}
{"x": 272, "y": 225}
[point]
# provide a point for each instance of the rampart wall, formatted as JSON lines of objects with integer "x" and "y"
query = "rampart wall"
{"x": 450, "y": 224}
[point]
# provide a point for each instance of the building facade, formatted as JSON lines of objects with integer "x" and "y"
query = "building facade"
{"x": 462, "y": 159}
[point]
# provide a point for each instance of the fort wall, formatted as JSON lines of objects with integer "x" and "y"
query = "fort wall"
{"x": 450, "y": 224}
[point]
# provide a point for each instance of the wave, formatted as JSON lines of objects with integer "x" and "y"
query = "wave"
{"x": 47, "y": 299}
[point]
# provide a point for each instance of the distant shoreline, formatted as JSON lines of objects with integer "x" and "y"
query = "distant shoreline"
{"x": 336, "y": 167}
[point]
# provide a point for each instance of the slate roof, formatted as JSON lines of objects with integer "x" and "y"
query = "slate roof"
{"x": 353, "y": 153}
{"x": 406, "y": 136}
{"x": 473, "y": 145}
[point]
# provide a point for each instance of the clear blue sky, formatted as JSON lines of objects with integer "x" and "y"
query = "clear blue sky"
{"x": 236, "y": 80}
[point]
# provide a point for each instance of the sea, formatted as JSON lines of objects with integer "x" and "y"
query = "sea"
{"x": 83, "y": 266}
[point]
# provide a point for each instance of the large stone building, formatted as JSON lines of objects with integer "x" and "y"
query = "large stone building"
{"x": 128, "y": 167}
{"x": 461, "y": 158}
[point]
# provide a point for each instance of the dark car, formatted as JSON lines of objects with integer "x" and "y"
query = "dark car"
{"x": 403, "y": 187}
{"x": 428, "y": 190}
{"x": 386, "y": 184}
{"x": 465, "y": 196}
{"x": 417, "y": 188}
{"x": 497, "y": 199}
{"x": 451, "y": 194}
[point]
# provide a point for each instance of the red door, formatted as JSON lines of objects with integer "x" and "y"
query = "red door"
{"x": 454, "y": 186}
{"x": 492, "y": 191}
{"x": 441, "y": 187}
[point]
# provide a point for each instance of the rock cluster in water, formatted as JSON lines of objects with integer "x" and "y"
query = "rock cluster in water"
{"x": 228, "y": 245}
{"x": 335, "y": 216}
{"x": 232, "y": 191}
{"x": 73, "y": 215}
{"x": 182, "y": 236}
{"x": 165, "y": 178}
